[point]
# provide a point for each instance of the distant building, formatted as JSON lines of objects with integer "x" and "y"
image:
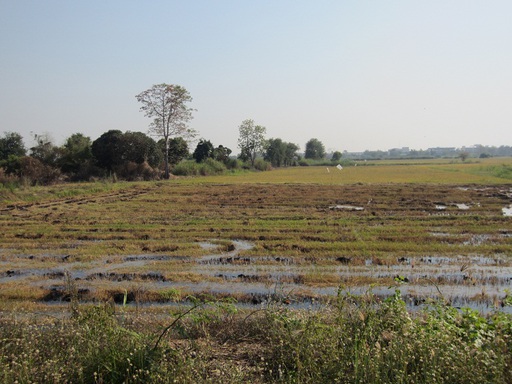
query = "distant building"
{"x": 476, "y": 150}
{"x": 352, "y": 155}
{"x": 399, "y": 152}
{"x": 442, "y": 151}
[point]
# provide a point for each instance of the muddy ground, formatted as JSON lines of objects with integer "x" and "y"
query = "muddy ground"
{"x": 295, "y": 243}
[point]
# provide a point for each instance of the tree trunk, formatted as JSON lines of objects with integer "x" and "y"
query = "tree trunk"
{"x": 167, "y": 173}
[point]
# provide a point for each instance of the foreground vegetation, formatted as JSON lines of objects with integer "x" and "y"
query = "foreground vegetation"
{"x": 351, "y": 340}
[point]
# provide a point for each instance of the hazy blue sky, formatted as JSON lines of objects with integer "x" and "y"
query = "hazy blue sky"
{"x": 355, "y": 74}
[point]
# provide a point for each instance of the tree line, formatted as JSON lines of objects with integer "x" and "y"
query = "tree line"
{"x": 138, "y": 156}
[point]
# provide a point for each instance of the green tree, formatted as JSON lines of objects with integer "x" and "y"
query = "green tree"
{"x": 221, "y": 153}
{"x": 130, "y": 154}
{"x": 167, "y": 105}
{"x": 76, "y": 154}
{"x": 280, "y": 153}
{"x": 139, "y": 148}
{"x": 275, "y": 152}
{"x": 291, "y": 154}
{"x": 11, "y": 144}
{"x": 12, "y": 165}
{"x": 178, "y": 149}
{"x": 336, "y": 156}
{"x": 106, "y": 149}
{"x": 203, "y": 151}
{"x": 314, "y": 150}
{"x": 251, "y": 140}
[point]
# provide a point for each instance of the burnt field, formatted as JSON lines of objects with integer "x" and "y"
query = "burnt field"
{"x": 296, "y": 243}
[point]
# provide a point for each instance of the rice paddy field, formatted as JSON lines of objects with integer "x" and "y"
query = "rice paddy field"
{"x": 302, "y": 233}
{"x": 298, "y": 238}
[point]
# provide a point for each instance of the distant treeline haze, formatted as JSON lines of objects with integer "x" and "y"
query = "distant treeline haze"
{"x": 137, "y": 156}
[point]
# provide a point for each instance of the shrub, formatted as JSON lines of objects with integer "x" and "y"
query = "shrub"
{"x": 34, "y": 172}
{"x": 91, "y": 347}
{"x": 132, "y": 171}
{"x": 360, "y": 340}
{"x": 352, "y": 340}
{"x": 233, "y": 164}
{"x": 213, "y": 167}
{"x": 262, "y": 165}
{"x": 504, "y": 171}
{"x": 192, "y": 168}
{"x": 8, "y": 180}
{"x": 186, "y": 168}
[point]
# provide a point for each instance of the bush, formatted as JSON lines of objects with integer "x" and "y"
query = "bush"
{"x": 90, "y": 348}
{"x": 34, "y": 172}
{"x": 325, "y": 162}
{"x": 8, "y": 181}
{"x": 361, "y": 341}
{"x": 352, "y": 340}
{"x": 186, "y": 168}
{"x": 504, "y": 171}
{"x": 192, "y": 168}
{"x": 262, "y": 165}
{"x": 213, "y": 167}
{"x": 233, "y": 164}
{"x": 132, "y": 171}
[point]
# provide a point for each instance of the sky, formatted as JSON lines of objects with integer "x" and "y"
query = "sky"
{"x": 356, "y": 74}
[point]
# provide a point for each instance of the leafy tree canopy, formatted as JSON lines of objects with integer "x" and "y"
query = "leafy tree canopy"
{"x": 221, "y": 153}
{"x": 336, "y": 156}
{"x": 139, "y": 148}
{"x": 314, "y": 150}
{"x": 11, "y": 144}
{"x": 280, "y": 153}
{"x": 76, "y": 153}
{"x": 203, "y": 151}
{"x": 178, "y": 149}
{"x": 106, "y": 149}
{"x": 251, "y": 140}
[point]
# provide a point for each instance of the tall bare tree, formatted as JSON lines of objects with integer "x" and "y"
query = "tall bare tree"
{"x": 166, "y": 104}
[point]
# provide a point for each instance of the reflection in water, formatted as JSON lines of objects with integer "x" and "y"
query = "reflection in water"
{"x": 463, "y": 281}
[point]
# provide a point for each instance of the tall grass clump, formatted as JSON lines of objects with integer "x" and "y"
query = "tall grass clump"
{"x": 262, "y": 165}
{"x": 352, "y": 340}
{"x": 362, "y": 341}
{"x": 209, "y": 167}
{"x": 91, "y": 347}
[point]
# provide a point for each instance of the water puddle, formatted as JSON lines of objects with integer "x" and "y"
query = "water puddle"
{"x": 345, "y": 208}
{"x": 252, "y": 280}
{"x": 155, "y": 258}
{"x": 444, "y": 207}
{"x": 230, "y": 257}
